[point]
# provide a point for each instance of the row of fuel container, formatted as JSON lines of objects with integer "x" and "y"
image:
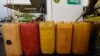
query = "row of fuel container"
{"x": 46, "y": 37}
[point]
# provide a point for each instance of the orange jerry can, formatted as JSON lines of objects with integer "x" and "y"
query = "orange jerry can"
{"x": 63, "y": 38}
{"x": 81, "y": 36}
{"x": 47, "y": 37}
{"x": 12, "y": 39}
{"x": 30, "y": 38}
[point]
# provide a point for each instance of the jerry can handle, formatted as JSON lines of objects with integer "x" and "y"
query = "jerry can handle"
{"x": 8, "y": 42}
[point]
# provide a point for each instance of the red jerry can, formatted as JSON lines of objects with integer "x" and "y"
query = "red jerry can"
{"x": 30, "y": 38}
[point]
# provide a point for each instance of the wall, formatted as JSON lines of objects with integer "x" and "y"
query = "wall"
{"x": 64, "y": 12}
{"x": 85, "y": 2}
{"x": 3, "y": 10}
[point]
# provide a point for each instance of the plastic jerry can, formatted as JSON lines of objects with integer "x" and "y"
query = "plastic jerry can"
{"x": 81, "y": 35}
{"x": 63, "y": 38}
{"x": 12, "y": 39}
{"x": 47, "y": 37}
{"x": 30, "y": 38}
{"x": 94, "y": 37}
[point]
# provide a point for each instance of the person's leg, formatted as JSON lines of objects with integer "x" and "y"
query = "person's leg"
{"x": 90, "y": 8}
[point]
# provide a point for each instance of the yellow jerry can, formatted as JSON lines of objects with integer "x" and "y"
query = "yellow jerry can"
{"x": 12, "y": 39}
{"x": 81, "y": 36}
{"x": 47, "y": 37}
{"x": 63, "y": 38}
